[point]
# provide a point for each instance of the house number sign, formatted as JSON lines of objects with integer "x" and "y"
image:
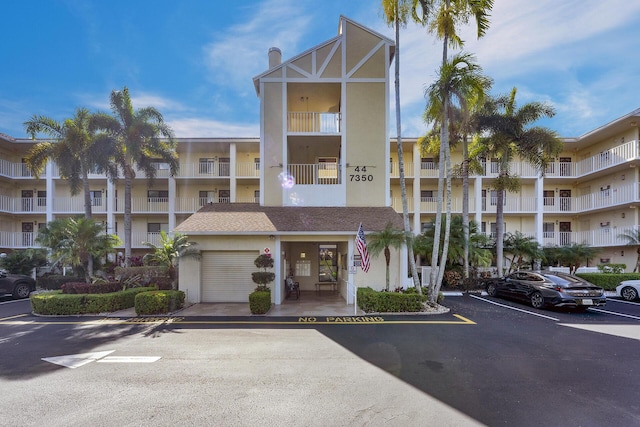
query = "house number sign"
{"x": 360, "y": 175}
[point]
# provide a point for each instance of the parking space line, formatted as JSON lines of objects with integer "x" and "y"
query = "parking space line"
{"x": 12, "y": 317}
{"x": 515, "y": 308}
{"x": 622, "y": 301}
{"x": 599, "y": 310}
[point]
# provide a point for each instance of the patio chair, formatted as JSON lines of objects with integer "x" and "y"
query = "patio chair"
{"x": 291, "y": 288}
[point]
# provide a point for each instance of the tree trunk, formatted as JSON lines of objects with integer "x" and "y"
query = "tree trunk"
{"x": 403, "y": 186}
{"x": 128, "y": 178}
{"x": 500, "y": 231}
{"x": 465, "y": 204}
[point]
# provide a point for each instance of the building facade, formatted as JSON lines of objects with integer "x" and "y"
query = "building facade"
{"x": 324, "y": 163}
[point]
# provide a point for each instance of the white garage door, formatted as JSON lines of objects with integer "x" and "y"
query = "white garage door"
{"x": 226, "y": 276}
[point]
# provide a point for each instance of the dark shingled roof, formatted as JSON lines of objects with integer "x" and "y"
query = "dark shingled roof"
{"x": 241, "y": 218}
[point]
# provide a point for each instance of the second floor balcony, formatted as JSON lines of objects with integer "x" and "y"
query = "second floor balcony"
{"x": 299, "y": 122}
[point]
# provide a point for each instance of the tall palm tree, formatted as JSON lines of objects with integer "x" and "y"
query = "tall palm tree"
{"x": 459, "y": 81}
{"x": 442, "y": 17}
{"x": 170, "y": 251}
{"x": 76, "y": 241}
{"x": 140, "y": 139}
{"x": 380, "y": 241}
{"x": 510, "y": 136}
{"x": 396, "y": 13}
{"x": 75, "y": 149}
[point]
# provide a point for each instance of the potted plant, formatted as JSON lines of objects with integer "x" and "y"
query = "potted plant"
{"x": 260, "y": 299}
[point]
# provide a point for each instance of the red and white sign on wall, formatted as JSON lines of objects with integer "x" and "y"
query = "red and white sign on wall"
{"x": 266, "y": 251}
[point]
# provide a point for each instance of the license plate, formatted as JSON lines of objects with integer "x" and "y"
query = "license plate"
{"x": 586, "y": 302}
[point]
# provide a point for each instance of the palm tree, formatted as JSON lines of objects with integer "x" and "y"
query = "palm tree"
{"x": 380, "y": 241}
{"x": 478, "y": 255}
{"x": 442, "y": 17}
{"x": 75, "y": 150}
{"x": 510, "y": 136}
{"x": 575, "y": 253}
{"x": 170, "y": 251}
{"x": 633, "y": 238}
{"x": 396, "y": 12}
{"x": 75, "y": 241}
{"x": 140, "y": 138}
{"x": 522, "y": 248}
{"x": 460, "y": 82}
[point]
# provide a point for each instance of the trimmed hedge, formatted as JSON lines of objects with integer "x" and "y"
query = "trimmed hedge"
{"x": 90, "y": 288}
{"x": 260, "y": 302}
{"x": 158, "y": 302}
{"x": 608, "y": 281}
{"x": 372, "y": 301}
{"x": 57, "y": 303}
{"x": 55, "y": 281}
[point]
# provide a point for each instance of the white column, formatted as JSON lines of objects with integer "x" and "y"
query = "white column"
{"x": 111, "y": 207}
{"x": 172, "y": 203}
{"x": 232, "y": 172}
{"x": 51, "y": 188}
{"x": 405, "y": 280}
{"x": 351, "y": 277}
{"x": 417, "y": 187}
{"x": 539, "y": 217}
{"x": 278, "y": 264}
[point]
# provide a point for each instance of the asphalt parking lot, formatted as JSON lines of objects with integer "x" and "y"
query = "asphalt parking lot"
{"x": 488, "y": 361}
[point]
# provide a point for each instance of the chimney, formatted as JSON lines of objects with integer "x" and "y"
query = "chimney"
{"x": 275, "y": 57}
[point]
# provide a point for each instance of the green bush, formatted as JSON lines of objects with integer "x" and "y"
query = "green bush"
{"x": 158, "y": 302}
{"x": 371, "y": 301}
{"x": 608, "y": 281}
{"x": 55, "y": 281}
{"x": 57, "y": 303}
{"x": 612, "y": 268}
{"x": 259, "y": 302}
{"x": 143, "y": 275}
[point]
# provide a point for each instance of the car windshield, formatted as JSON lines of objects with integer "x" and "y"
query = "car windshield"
{"x": 562, "y": 280}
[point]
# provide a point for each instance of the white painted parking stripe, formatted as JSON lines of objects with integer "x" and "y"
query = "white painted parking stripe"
{"x": 622, "y": 301}
{"x": 614, "y": 313}
{"x": 515, "y": 308}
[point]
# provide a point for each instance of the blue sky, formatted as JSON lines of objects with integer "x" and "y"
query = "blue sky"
{"x": 194, "y": 60}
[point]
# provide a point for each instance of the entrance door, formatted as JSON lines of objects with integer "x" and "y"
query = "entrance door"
{"x": 565, "y": 200}
{"x": 565, "y": 166}
{"x": 565, "y": 233}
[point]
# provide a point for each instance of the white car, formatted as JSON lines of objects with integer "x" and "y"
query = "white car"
{"x": 628, "y": 289}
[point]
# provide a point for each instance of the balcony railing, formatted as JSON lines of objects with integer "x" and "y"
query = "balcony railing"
{"x": 311, "y": 122}
{"x": 395, "y": 169}
{"x": 315, "y": 174}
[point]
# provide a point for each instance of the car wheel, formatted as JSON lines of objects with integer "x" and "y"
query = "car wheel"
{"x": 21, "y": 290}
{"x": 629, "y": 293}
{"x": 537, "y": 300}
{"x": 492, "y": 289}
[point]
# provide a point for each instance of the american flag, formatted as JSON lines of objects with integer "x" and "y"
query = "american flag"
{"x": 361, "y": 245}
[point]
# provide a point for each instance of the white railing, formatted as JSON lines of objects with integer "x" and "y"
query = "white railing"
{"x": 248, "y": 169}
{"x": 314, "y": 174}
{"x": 396, "y": 203}
{"x": 395, "y": 170}
{"x": 312, "y": 122}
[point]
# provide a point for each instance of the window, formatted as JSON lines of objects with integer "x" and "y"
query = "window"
{"x": 96, "y": 198}
{"x": 548, "y": 230}
{"x": 327, "y": 169}
{"x": 328, "y": 260}
{"x": 427, "y": 163}
{"x": 426, "y": 195}
{"x": 42, "y": 198}
{"x": 256, "y": 196}
{"x": 225, "y": 166}
{"x": 549, "y": 197}
{"x": 207, "y": 165}
{"x": 159, "y": 164}
{"x": 158, "y": 195}
{"x": 206, "y": 197}
{"x": 605, "y": 191}
{"x": 156, "y": 227}
{"x": 224, "y": 196}
{"x": 256, "y": 161}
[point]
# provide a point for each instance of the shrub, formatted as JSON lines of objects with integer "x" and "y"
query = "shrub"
{"x": 264, "y": 277}
{"x": 612, "y": 268}
{"x": 55, "y": 281}
{"x": 140, "y": 275}
{"x": 90, "y": 288}
{"x": 371, "y": 301}
{"x": 158, "y": 302}
{"x": 260, "y": 302}
{"x": 452, "y": 278}
{"x": 608, "y": 281}
{"x": 57, "y": 303}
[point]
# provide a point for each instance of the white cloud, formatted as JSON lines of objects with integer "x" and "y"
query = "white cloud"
{"x": 199, "y": 127}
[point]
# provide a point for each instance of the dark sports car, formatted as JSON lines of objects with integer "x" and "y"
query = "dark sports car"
{"x": 18, "y": 285}
{"x": 547, "y": 288}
